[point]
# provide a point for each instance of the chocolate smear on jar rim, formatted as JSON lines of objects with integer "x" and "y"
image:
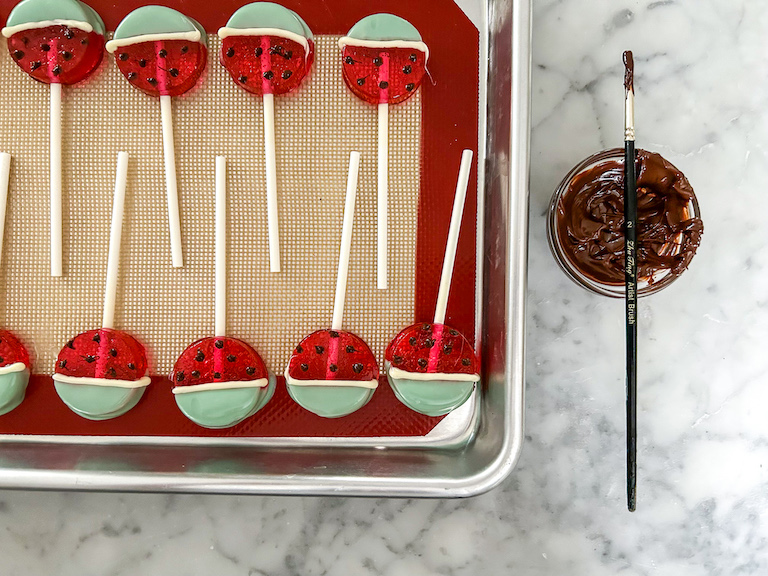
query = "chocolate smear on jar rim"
{"x": 590, "y": 220}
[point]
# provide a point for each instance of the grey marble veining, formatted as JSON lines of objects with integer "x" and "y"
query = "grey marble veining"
{"x": 702, "y": 96}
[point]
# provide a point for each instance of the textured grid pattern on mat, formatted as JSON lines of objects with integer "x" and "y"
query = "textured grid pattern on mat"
{"x": 167, "y": 308}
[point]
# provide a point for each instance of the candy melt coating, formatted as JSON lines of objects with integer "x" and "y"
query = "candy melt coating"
{"x": 231, "y": 365}
{"x": 266, "y": 48}
{"x": 383, "y": 59}
{"x": 55, "y": 41}
{"x": 160, "y": 51}
{"x": 431, "y": 368}
{"x": 14, "y": 371}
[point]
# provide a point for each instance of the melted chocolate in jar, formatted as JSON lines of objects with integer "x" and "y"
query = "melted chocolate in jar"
{"x": 590, "y": 220}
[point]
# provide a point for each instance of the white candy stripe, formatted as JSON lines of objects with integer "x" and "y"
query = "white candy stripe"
{"x": 370, "y": 384}
{"x": 113, "y": 45}
{"x": 260, "y": 383}
{"x": 15, "y": 367}
{"x": 9, "y": 31}
{"x": 140, "y": 383}
{"x": 398, "y": 374}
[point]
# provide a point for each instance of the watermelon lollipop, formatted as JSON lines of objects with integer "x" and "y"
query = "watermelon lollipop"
{"x": 331, "y": 372}
{"x": 221, "y": 381}
{"x": 431, "y": 367}
{"x": 162, "y": 53}
{"x": 56, "y": 42}
{"x": 101, "y": 374}
{"x": 267, "y": 50}
{"x": 383, "y": 63}
{"x": 14, "y": 358}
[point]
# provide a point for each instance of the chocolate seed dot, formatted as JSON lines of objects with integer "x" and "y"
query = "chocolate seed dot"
{"x": 413, "y": 58}
{"x": 269, "y": 74}
{"x": 410, "y": 87}
{"x": 56, "y": 70}
{"x": 425, "y": 326}
{"x": 378, "y": 61}
{"x": 84, "y": 41}
{"x": 184, "y": 49}
{"x": 360, "y": 81}
{"x": 230, "y": 52}
{"x": 422, "y": 362}
{"x": 124, "y": 56}
{"x": 25, "y": 40}
{"x": 453, "y": 333}
{"x": 173, "y": 72}
{"x": 231, "y": 358}
{"x": 142, "y": 63}
{"x": 97, "y": 337}
{"x": 63, "y": 364}
{"x": 217, "y": 374}
{"x": 18, "y": 54}
{"x": 200, "y": 356}
{"x": 90, "y": 358}
{"x": 333, "y": 367}
{"x": 447, "y": 349}
{"x": 429, "y": 343}
{"x": 288, "y": 55}
{"x": 466, "y": 361}
{"x": 131, "y": 75}
{"x": 348, "y": 60}
{"x": 243, "y": 79}
{"x": 319, "y": 349}
{"x": 357, "y": 368}
{"x": 350, "y": 349}
{"x": 45, "y": 47}
{"x": 67, "y": 55}
{"x": 131, "y": 366}
{"x": 179, "y": 376}
{"x": 68, "y": 34}
{"x": 112, "y": 372}
{"x": 299, "y": 349}
{"x": 259, "y": 51}
{"x": 152, "y": 81}
{"x": 412, "y": 341}
{"x": 71, "y": 344}
{"x": 407, "y": 69}
{"x": 287, "y": 74}
{"x": 334, "y": 334}
{"x": 112, "y": 352}
{"x": 2, "y": 359}
{"x": 195, "y": 374}
{"x": 304, "y": 367}
{"x": 219, "y": 344}
{"x": 383, "y": 85}
{"x": 162, "y": 53}
{"x": 35, "y": 65}
{"x": 250, "y": 370}
{"x": 397, "y": 359}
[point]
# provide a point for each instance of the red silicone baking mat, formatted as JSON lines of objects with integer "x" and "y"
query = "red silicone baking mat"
{"x": 449, "y": 124}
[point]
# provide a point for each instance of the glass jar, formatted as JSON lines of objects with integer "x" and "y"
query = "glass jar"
{"x": 645, "y": 286}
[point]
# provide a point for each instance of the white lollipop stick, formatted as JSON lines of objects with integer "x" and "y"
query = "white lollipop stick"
{"x": 220, "y": 315}
{"x": 5, "y": 175}
{"x": 115, "y": 235}
{"x": 346, "y": 240}
{"x": 453, "y": 237}
{"x": 55, "y": 179}
{"x": 271, "y": 171}
{"x": 383, "y": 193}
{"x": 171, "y": 186}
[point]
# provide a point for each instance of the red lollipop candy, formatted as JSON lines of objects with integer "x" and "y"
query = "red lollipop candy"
{"x": 56, "y": 43}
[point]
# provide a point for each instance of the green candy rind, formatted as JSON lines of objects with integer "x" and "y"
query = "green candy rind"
{"x": 435, "y": 398}
{"x": 157, "y": 20}
{"x": 384, "y": 28}
{"x": 330, "y": 401}
{"x": 98, "y": 402}
{"x": 224, "y": 408}
{"x": 269, "y": 15}
{"x": 32, "y": 11}
{"x": 13, "y": 386}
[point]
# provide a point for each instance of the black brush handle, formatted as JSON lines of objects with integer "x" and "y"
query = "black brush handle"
{"x": 630, "y": 277}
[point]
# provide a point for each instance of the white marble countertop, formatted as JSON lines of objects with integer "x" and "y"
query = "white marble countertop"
{"x": 702, "y": 96}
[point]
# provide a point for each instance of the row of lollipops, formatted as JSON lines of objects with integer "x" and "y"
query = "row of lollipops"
{"x": 266, "y": 48}
{"x": 219, "y": 381}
